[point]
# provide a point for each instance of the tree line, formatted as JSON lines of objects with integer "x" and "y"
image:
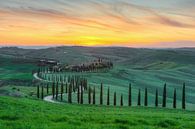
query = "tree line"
{"x": 58, "y": 89}
{"x": 87, "y": 67}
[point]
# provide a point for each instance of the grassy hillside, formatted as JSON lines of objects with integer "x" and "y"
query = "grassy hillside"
{"x": 16, "y": 71}
{"x": 21, "y": 113}
{"x": 143, "y": 68}
{"x": 149, "y": 68}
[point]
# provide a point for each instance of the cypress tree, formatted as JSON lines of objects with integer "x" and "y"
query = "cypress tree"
{"x": 139, "y": 98}
{"x": 47, "y": 88}
{"x": 114, "y": 98}
{"x": 66, "y": 88}
{"x": 129, "y": 102}
{"x": 146, "y": 97}
{"x": 101, "y": 94}
{"x": 53, "y": 90}
{"x": 62, "y": 91}
{"x": 78, "y": 94}
{"x": 183, "y": 97}
{"x": 57, "y": 91}
{"x": 42, "y": 94}
{"x": 174, "y": 99}
{"x": 164, "y": 96}
{"x": 38, "y": 91}
{"x": 70, "y": 94}
{"x": 94, "y": 95}
{"x": 82, "y": 94}
{"x": 108, "y": 96}
{"x": 156, "y": 99}
{"x": 121, "y": 99}
{"x": 89, "y": 95}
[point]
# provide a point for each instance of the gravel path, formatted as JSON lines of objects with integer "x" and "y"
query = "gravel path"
{"x": 48, "y": 98}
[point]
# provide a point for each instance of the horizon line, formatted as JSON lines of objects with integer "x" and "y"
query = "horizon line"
{"x": 50, "y": 46}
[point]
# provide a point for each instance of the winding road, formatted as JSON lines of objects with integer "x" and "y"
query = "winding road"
{"x": 48, "y": 98}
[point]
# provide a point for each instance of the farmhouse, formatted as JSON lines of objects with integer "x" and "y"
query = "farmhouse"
{"x": 45, "y": 62}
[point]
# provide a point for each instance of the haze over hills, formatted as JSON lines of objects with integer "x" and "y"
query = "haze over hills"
{"x": 122, "y": 55}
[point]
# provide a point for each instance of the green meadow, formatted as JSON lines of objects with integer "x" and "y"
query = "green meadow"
{"x": 23, "y": 113}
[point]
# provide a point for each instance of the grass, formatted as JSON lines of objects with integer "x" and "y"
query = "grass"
{"x": 22, "y": 113}
{"x": 19, "y": 91}
{"x": 151, "y": 75}
{"x": 13, "y": 69}
{"x": 118, "y": 80}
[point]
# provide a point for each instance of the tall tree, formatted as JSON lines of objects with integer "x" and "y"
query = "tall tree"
{"x": 146, "y": 97}
{"x": 47, "y": 88}
{"x": 183, "y": 97}
{"x": 78, "y": 94}
{"x": 94, "y": 95}
{"x": 164, "y": 96}
{"x": 38, "y": 91}
{"x": 121, "y": 99}
{"x": 174, "y": 99}
{"x": 108, "y": 96}
{"x": 101, "y": 94}
{"x": 129, "y": 98}
{"x": 42, "y": 94}
{"x": 156, "y": 99}
{"x": 53, "y": 90}
{"x": 114, "y": 98}
{"x": 70, "y": 94}
{"x": 89, "y": 95}
{"x": 139, "y": 98}
{"x": 82, "y": 93}
{"x": 66, "y": 88}
{"x": 57, "y": 91}
{"x": 62, "y": 91}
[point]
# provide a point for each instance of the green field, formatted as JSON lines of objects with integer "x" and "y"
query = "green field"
{"x": 12, "y": 68}
{"x": 20, "y": 113}
{"x": 118, "y": 80}
{"x": 143, "y": 68}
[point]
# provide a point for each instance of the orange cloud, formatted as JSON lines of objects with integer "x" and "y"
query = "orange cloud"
{"x": 93, "y": 24}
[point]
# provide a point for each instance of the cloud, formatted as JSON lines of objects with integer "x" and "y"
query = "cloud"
{"x": 112, "y": 20}
{"x": 177, "y": 44}
{"x": 126, "y": 12}
{"x": 168, "y": 21}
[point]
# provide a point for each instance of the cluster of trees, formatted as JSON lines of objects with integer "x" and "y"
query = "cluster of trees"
{"x": 88, "y": 67}
{"x": 91, "y": 67}
{"x": 82, "y": 87}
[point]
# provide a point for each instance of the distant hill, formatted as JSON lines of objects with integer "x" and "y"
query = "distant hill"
{"x": 120, "y": 55}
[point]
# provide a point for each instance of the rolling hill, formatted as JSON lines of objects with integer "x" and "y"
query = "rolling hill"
{"x": 144, "y": 68}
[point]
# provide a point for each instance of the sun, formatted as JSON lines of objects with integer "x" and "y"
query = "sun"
{"x": 91, "y": 40}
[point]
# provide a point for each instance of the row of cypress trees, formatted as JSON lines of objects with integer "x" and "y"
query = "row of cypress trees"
{"x": 61, "y": 78}
{"x": 92, "y": 95}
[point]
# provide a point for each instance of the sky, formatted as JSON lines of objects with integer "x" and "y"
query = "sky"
{"x": 128, "y": 23}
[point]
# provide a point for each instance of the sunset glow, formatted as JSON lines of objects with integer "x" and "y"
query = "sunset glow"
{"x": 146, "y": 23}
